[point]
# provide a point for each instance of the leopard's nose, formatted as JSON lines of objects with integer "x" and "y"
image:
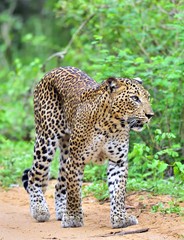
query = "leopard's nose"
{"x": 149, "y": 115}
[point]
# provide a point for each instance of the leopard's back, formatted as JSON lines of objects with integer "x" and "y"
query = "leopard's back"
{"x": 57, "y": 96}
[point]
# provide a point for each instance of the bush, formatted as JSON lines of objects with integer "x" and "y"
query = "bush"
{"x": 104, "y": 38}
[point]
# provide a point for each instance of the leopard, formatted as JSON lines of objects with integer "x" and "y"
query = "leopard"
{"x": 89, "y": 122}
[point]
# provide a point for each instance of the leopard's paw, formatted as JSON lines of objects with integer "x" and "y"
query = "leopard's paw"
{"x": 39, "y": 209}
{"x": 126, "y": 221}
{"x": 40, "y": 212}
{"x": 69, "y": 221}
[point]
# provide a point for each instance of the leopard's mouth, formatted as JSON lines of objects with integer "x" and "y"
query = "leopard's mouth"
{"x": 136, "y": 124}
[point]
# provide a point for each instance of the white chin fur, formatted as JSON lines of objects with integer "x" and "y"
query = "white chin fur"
{"x": 137, "y": 129}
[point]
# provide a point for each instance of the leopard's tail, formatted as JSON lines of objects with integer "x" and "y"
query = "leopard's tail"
{"x": 25, "y": 178}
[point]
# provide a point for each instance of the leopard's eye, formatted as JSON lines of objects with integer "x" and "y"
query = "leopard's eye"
{"x": 135, "y": 98}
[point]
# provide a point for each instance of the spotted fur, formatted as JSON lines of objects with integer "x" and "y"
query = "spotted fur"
{"x": 87, "y": 121}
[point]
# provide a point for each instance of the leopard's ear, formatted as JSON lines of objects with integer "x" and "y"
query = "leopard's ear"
{"x": 112, "y": 84}
{"x": 137, "y": 79}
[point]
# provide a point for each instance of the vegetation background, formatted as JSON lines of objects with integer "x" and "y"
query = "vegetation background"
{"x": 127, "y": 38}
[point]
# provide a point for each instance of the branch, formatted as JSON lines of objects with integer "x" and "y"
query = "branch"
{"x": 62, "y": 54}
{"x": 78, "y": 31}
{"x": 143, "y": 50}
{"x": 121, "y": 233}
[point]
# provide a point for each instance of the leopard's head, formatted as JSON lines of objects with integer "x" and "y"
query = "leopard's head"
{"x": 130, "y": 102}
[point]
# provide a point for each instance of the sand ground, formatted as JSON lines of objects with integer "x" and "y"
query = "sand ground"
{"x": 17, "y": 224}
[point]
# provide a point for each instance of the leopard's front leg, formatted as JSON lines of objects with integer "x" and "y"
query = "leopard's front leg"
{"x": 117, "y": 176}
{"x": 72, "y": 215}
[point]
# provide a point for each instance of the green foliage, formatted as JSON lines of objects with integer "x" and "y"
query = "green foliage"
{"x": 14, "y": 158}
{"x": 94, "y": 172}
{"x": 131, "y": 38}
{"x": 97, "y": 175}
{"x": 98, "y": 189}
{"x": 104, "y": 38}
{"x": 145, "y": 162}
{"x": 159, "y": 186}
{"x": 172, "y": 208}
{"x": 16, "y": 116}
{"x": 17, "y": 156}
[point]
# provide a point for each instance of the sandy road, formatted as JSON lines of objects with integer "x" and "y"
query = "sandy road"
{"x": 16, "y": 223}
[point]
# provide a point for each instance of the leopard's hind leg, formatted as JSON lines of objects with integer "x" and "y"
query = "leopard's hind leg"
{"x": 38, "y": 177}
{"x": 50, "y": 127}
{"x": 60, "y": 188}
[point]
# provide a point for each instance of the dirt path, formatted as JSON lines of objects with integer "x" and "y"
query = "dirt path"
{"x": 16, "y": 223}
